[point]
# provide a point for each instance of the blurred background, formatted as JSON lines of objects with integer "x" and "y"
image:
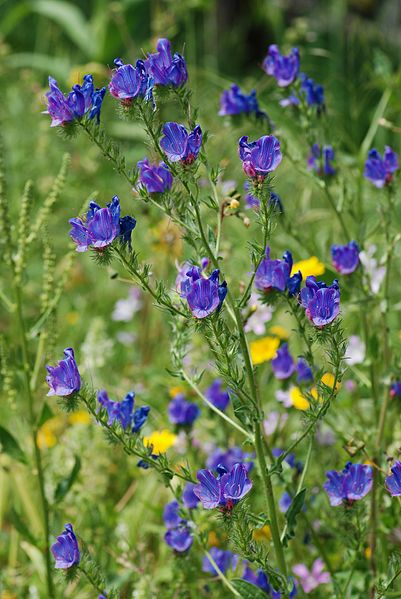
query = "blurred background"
{"x": 351, "y": 47}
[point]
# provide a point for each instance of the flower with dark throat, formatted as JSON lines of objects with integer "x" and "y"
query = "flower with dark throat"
{"x": 345, "y": 258}
{"x": 65, "y": 550}
{"x": 64, "y": 379}
{"x": 378, "y": 170}
{"x": 321, "y": 303}
{"x": 260, "y": 157}
{"x": 179, "y": 145}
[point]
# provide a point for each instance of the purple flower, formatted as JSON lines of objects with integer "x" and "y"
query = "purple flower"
{"x": 259, "y": 157}
{"x": 284, "y": 502}
{"x": 259, "y": 578}
{"x": 128, "y": 82}
{"x": 171, "y": 515}
{"x": 277, "y": 595}
{"x": 189, "y": 499}
{"x": 225, "y": 490}
{"x": 284, "y": 69}
{"x": 83, "y": 99}
{"x": 217, "y": 395}
{"x": 275, "y": 421}
{"x": 223, "y": 560}
{"x": 380, "y": 170}
{"x": 179, "y": 145}
{"x": 254, "y": 203}
{"x": 229, "y": 458}
{"x": 353, "y": 483}
{"x": 395, "y": 389}
{"x": 182, "y": 412}
{"x": 179, "y": 538}
{"x": 123, "y": 411}
{"x": 283, "y": 363}
{"x": 304, "y": 371}
{"x": 65, "y": 550}
{"x": 101, "y": 226}
{"x": 155, "y": 178}
{"x": 233, "y": 102}
{"x": 275, "y": 274}
{"x": 393, "y": 482}
{"x": 64, "y": 379}
{"x": 320, "y": 160}
{"x": 164, "y": 68}
{"x": 310, "y": 580}
{"x": 314, "y": 93}
{"x": 204, "y": 296}
{"x": 345, "y": 258}
{"x": 321, "y": 303}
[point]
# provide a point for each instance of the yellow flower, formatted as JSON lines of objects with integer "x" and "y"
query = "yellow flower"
{"x": 298, "y": 400}
{"x": 279, "y": 331}
{"x": 161, "y": 441}
{"x": 79, "y": 417}
{"x": 315, "y": 394}
{"x": 173, "y": 391}
{"x": 168, "y": 238}
{"x": 72, "y": 317}
{"x": 213, "y": 540}
{"x": 77, "y": 73}
{"x": 49, "y": 431}
{"x": 368, "y": 552}
{"x": 264, "y": 349}
{"x": 328, "y": 380}
{"x": 262, "y": 534}
{"x": 310, "y": 266}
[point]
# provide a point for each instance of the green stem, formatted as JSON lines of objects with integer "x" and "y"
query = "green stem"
{"x": 221, "y": 575}
{"x": 92, "y": 582}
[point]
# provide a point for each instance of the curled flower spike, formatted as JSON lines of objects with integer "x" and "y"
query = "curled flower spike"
{"x": 345, "y": 258}
{"x": 164, "y": 68}
{"x": 283, "y": 364}
{"x": 179, "y": 145}
{"x": 259, "y": 157}
{"x": 314, "y": 93}
{"x": 393, "y": 482}
{"x": 352, "y": 484}
{"x": 182, "y": 412}
{"x": 378, "y": 170}
{"x": 123, "y": 411}
{"x": 130, "y": 82}
{"x": 275, "y": 274}
{"x": 204, "y": 296}
{"x": 321, "y": 303}
{"x": 226, "y": 490}
{"x": 284, "y": 69}
{"x": 64, "y": 379}
{"x": 320, "y": 159}
{"x": 155, "y": 178}
{"x": 101, "y": 227}
{"x": 65, "y": 550}
{"x": 82, "y": 100}
{"x": 233, "y": 101}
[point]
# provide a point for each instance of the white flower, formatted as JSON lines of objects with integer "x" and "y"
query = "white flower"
{"x": 257, "y": 320}
{"x": 125, "y": 309}
{"x": 355, "y": 351}
{"x": 375, "y": 273}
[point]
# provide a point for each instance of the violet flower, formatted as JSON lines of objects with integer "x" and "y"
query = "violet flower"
{"x": 123, "y": 411}
{"x": 284, "y": 69}
{"x": 225, "y": 490}
{"x": 65, "y": 550}
{"x": 350, "y": 485}
{"x": 233, "y": 101}
{"x": 189, "y": 499}
{"x": 164, "y": 68}
{"x": 276, "y": 274}
{"x": 218, "y": 395}
{"x": 283, "y": 364}
{"x": 64, "y": 379}
{"x": 393, "y": 481}
{"x": 320, "y": 160}
{"x": 155, "y": 178}
{"x": 321, "y": 303}
{"x": 345, "y": 258}
{"x": 224, "y": 561}
{"x": 311, "y": 579}
{"x": 204, "y": 296}
{"x": 395, "y": 389}
{"x": 130, "y": 82}
{"x": 180, "y": 538}
{"x": 260, "y": 157}
{"x": 82, "y": 100}
{"x": 182, "y": 412}
{"x": 378, "y": 170}
{"x": 179, "y": 145}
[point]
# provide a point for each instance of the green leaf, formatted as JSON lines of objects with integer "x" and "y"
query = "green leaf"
{"x": 21, "y": 527}
{"x": 293, "y": 511}
{"x": 45, "y": 415}
{"x": 247, "y": 590}
{"x": 66, "y": 483}
{"x": 11, "y": 447}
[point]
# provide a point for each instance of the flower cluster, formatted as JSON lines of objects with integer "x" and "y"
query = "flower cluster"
{"x": 123, "y": 411}
{"x": 178, "y": 536}
{"x": 350, "y": 485}
{"x": 380, "y": 170}
{"x": 233, "y": 101}
{"x": 182, "y": 412}
{"x": 276, "y": 274}
{"x": 225, "y": 490}
{"x": 83, "y": 100}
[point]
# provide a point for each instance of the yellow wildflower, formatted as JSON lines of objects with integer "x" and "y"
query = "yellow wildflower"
{"x": 280, "y": 332}
{"x": 262, "y": 534}
{"x": 49, "y": 431}
{"x": 298, "y": 400}
{"x": 173, "y": 391}
{"x": 168, "y": 238}
{"x": 161, "y": 441}
{"x": 79, "y": 417}
{"x": 77, "y": 73}
{"x": 213, "y": 540}
{"x": 310, "y": 266}
{"x": 368, "y": 552}
{"x": 72, "y": 317}
{"x": 328, "y": 380}
{"x": 264, "y": 349}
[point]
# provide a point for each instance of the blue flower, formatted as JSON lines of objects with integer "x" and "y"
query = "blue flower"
{"x": 182, "y": 412}
{"x": 353, "y": 483}
{"x": 128, "y": 83}
{"x": 283, "y": 363}
{"x": 229, "y": 458}
{"x": 180, "y": 538}
{"x": 171, "y": 515}
{"x": 284, "y": 502}
{"x": 233, "y": 102}
{"x": 284, "y": 69}
{"x": 380, "y": 170}
{"x": 226, "y": 490}
{"x": 321, "y": 303}
{"x": 254, "y": 203}
{"x": 204, "y": 296}
{"x": 275, "y": 274}
{"x": 395, "y": 389}
{"x": 320, "y": 160}
{"x": 304, "y": 371}
{"x": 179, "y": 145}
{"x": 189, "y": 499}
{"x": 393, "y": 482}
{"x": 345, "y": 258}
{"x": 64, "y": 379}
{"x": 223, "y": 560}
{"x": 101, "y": 226}
{"x": 259, "y": 157}
{"x": 164, "y": 68}
{"x": 314, "y": 93}
{"x": 123, "y": 411}
{"x": 82, "y": 100}
{"x": 155, "y": 178}
{"x": 65, "y": 550}
{"x": 259, "y": 578}
{"x": 217, "y": 395}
